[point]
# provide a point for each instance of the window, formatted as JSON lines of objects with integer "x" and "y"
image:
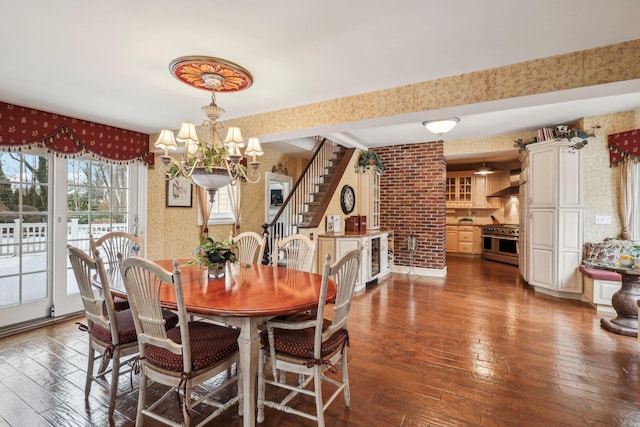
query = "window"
{"x": 222, "y": 208}
{"x": 97, "y": 198}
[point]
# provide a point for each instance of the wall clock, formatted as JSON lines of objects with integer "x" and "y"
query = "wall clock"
{"x": 347, "y": 199}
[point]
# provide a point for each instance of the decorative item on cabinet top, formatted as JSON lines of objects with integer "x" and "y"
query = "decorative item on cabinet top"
{"x": 560, "y": 132}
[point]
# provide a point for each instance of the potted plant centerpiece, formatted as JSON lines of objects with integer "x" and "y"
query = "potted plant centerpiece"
{"x": 369, "y": 160}
{"x": 214, "y": 255}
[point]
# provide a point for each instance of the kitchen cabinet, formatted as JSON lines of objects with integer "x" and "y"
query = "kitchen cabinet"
{"x": 464, "y": 190}
{"x": 451, "y": 238}
{"x": 485, "y": 185}
{"x": 463, "y": 239}
{"x": 496, "y": 182}
{"x": 368, "y": 199}
{"x": 553, "y": 233}
{"x": 377, "y": 252}
{"x": 459, "y": 190}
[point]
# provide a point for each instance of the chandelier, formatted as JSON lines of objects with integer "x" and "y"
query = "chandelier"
{"x": 217, "y": 162}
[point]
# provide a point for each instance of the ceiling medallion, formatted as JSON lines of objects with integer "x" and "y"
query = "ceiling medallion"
{"x": 209, "y": 73}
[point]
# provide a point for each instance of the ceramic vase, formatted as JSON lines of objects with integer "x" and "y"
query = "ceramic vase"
{"x": 216, "y": 271}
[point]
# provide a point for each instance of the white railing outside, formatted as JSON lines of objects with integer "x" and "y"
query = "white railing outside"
{"x": 34, "y": 236}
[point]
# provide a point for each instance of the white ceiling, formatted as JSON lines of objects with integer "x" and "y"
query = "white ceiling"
{"x": 108, "y": 61}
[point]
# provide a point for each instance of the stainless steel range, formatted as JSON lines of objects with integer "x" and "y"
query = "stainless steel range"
{"x": 500, "y": 242}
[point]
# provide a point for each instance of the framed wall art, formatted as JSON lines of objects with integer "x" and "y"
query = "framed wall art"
{"x": 179, "y": 193}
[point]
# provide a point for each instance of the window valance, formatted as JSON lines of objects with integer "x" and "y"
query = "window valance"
{"x": 22, "y": 128}
{"x": 624, "y": 145}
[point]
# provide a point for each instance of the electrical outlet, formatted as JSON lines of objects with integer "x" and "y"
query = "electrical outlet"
{"x": 603, "y": 219}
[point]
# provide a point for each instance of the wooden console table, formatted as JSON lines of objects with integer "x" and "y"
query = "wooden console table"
{"x": 625, "y": 302}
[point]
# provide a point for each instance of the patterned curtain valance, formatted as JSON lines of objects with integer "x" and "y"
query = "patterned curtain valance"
{"x": 624, "y": 145}
{"x": 22, "y": 128}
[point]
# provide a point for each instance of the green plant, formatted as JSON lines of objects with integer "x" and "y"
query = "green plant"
{"x": 369, "y": 159}
{"x": 211, "y": 252}
{"x": 205, "y": 156}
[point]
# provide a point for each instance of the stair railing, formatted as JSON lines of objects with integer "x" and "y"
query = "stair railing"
{"x": 288, "y": 219}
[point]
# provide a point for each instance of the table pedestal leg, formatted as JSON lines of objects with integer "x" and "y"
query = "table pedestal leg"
{"x": 625, "y": 302}
{"x": 248, "y": 346}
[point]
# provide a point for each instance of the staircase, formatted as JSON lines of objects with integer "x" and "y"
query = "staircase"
{"x": 315, "y": 203}
{"x": 307, "y": 202}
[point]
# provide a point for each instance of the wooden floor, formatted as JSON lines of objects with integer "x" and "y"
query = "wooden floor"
{"x": 477, "y": 348}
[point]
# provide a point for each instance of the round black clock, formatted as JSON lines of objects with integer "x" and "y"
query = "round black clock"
{"x": 348, "y": 199}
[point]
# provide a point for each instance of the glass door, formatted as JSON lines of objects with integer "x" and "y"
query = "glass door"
{"x": 45, "y": 203}
{"x": 375, "y": 256}
{"x": 25, "y": 236}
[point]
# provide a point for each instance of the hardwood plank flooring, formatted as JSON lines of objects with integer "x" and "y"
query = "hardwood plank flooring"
{"x": 476, "y": 348}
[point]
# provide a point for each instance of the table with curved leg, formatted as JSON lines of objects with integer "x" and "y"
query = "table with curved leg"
{"x": 245, "y": 297}
{"x": 625, "y": 302}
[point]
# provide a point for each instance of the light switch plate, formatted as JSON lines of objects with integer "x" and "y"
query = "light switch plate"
{"x": 603, "y": 219}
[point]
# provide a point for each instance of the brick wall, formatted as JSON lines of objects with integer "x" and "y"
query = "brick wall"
{"x": 412, "y": 201}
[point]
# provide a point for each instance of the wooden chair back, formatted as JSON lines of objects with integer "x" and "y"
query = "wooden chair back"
{"x": 118, "y": 242}
{"x": 299, "y": 252}
{"x": 87, "y": 269}
{"x": 250, "y": 247}
{"x": 345, "y": 273}
{"x": 143, "y": 280}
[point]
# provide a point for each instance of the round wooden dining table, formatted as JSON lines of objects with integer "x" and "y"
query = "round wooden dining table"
{"x": 247, "y": 296}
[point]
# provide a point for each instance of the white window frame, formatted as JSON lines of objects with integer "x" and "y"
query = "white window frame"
{"x": 221, "y": 218}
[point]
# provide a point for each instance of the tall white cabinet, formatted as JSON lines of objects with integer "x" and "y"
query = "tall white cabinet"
{"x": 368, "y": 199}
{"x": 553, "y": 229}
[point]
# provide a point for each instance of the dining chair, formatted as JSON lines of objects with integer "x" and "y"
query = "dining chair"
{"x": 182, "y": 358}
{"x": 250, "y": 247}
{"x": 310, "y": 348}
{"x": 298, "y": 252}
{"x": 114, "y": 243}
{"x": 112, "y": 335}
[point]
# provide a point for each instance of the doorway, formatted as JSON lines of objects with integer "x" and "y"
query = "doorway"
{"x": 277, "y": 188}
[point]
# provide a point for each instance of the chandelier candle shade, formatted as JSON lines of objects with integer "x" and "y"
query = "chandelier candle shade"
{"x": 215, "y": 163}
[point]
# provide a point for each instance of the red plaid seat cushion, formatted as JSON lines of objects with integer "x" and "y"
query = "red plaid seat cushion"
{"x": 209, "y": 344}
{"x": 126, "y": 328}
{"x": 300, "y": 343}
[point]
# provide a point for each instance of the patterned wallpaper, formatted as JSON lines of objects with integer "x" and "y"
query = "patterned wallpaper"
{"x": 602, "y": 65}
{"x": 173, "y": 232}
{"x": 596, "y": 66}
{"x": 601, "y": 183}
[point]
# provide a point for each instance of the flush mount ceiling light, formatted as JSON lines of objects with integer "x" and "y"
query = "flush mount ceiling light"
{"x": 440, "y": 127}
{"x": 483, "y": 170}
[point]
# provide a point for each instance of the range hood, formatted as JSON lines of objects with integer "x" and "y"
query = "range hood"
{"x": 513, "y": 189}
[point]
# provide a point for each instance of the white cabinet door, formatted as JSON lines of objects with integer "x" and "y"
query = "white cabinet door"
{"x": 344, "y": 245}
{"x": 523, "y": 261}
{"x": 384, "y": 250}
{"x": 543, "y": 181}
{"x": 542, "y": 247}
{"x": 570, "y": 188}
{"x": 570, "y": 225}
